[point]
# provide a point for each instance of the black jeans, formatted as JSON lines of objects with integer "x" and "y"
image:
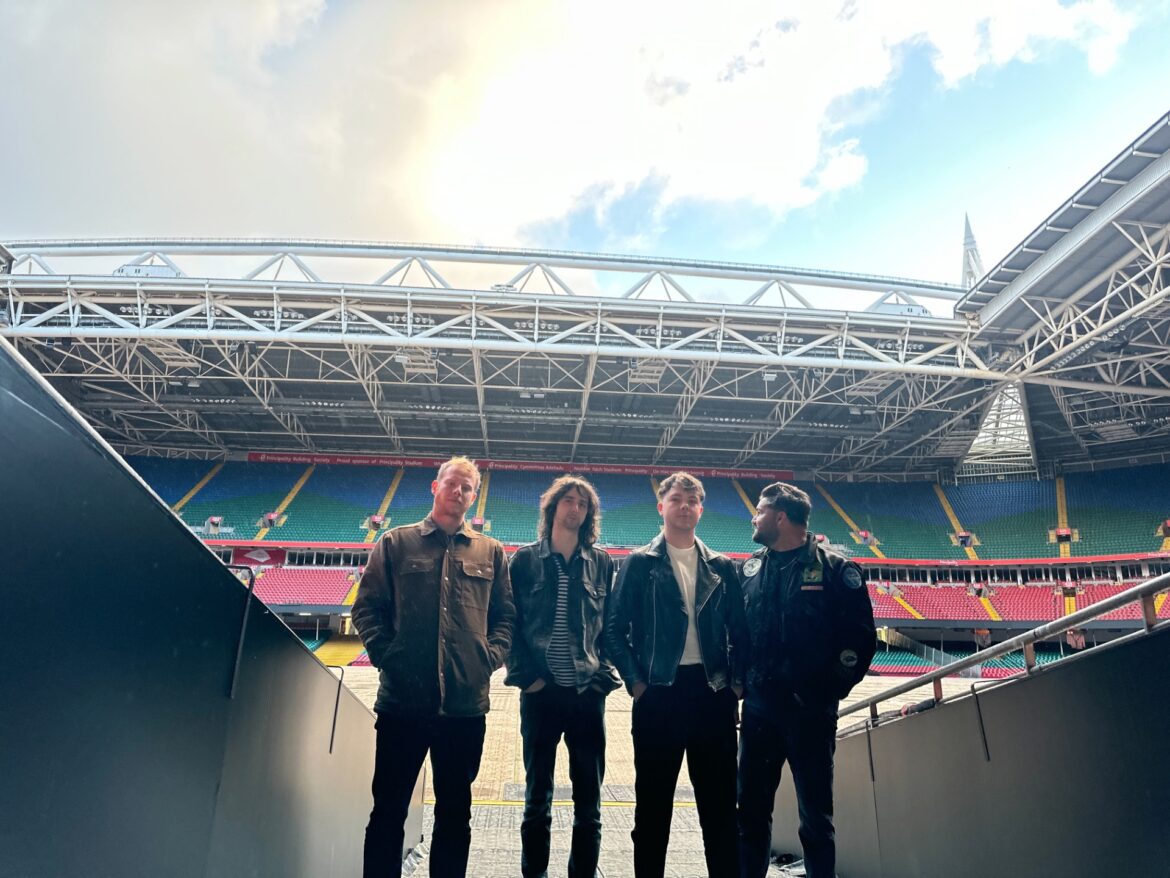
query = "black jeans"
{"x": 686, "y": 717}
{"x": 805, "y": 737}
{"x": 456, "y": 744}
{"x": 544, "y": 717}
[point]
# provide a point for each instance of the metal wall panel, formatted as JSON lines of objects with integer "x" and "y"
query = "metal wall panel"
{"x": 1074, "y": 784}
{"x": 120, "y": 751}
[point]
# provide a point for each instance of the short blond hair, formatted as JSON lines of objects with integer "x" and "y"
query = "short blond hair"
{"x": 460, "y": 462}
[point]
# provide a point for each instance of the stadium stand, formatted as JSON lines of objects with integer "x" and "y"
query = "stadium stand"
{"x": 1010, "y": 519}
{"x": 171, "y": 479}
{"x": 885, "y": 606}
{"x": 726, "y": 523}
{"x": 513, "y": 505}
{"x": 241, "y": 493}
{"x": 944, "y": 602}
{"x": 907, "y": 519}
{"x": 1118, "y": 510}
{"x": 335, "y": 504}
{"x": 1090, "y": 593}
{"x": 412, "y": 500}
{"x": 629, "y": 509}
{"x": 1027, "y": 603}
{"x": 316, "y": 586}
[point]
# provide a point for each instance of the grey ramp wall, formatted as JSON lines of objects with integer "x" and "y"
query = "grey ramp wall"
{"x": 1076, "y": 784}
{"x": 120, "y": 751}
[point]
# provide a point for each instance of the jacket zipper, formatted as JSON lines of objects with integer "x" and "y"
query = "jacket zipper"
{"x": 698, "y": 634}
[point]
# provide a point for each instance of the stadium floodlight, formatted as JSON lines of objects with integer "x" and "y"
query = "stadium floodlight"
{"x": 769, "y": 376}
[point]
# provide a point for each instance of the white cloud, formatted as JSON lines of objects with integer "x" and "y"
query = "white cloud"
{"x": 461, "y": 122}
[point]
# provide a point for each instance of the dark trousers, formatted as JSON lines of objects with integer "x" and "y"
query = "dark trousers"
{"x": 455, "y": 744}
{"x": 668, "y": 721}
{"x": 544, "y": 717}
{"x": 805, "y": 737}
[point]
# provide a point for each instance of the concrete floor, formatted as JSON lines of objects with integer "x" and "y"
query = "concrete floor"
{"x": 498, "y": 792}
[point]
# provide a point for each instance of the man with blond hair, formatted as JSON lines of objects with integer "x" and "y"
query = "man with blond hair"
{"x": 678, "y": 636}
{"x": 434, "y": 610}
{"x": 561, "y": 583}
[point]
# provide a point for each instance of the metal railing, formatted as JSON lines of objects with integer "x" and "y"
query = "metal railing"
{"x": 1143, "y": 593}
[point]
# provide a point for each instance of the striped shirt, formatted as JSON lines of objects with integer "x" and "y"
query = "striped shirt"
{"x": 558, "y": 655}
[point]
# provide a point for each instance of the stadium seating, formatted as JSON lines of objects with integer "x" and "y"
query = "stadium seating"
{"x": 318, "y": 586}
{"x": 412, "y": 501}
{"x": 170, "y": 479}
{"x": 340, "y": 650}
{"x": 241, "y": 493}
{"x": 629, "y": 509}
{"x": 334, "y": 504}
{"x": 885, "y": 607}
{"x": 907, "y": 519}
{"x": 944, "y": 602}
{"x": 1027, "y": 603}
{"x": 727, "y": 523}
{"x": 513, "y": 505}
{"x": 1010, "y": 519}
{"x": 1089, "y": 594}
{"x": 1118, "y": 510}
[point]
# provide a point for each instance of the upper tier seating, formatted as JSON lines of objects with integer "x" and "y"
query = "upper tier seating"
{"x": 170, "y": 479}
{"x": 1114, "y": 512}
{"x": 1010, "y": 519}
{"x": 629, "y": 509}
{"x": 1118, "y": 510}
{"x": 241, "y": 493}
{"x": 907, "y": 519}
{"x": 726, "y": 525}
{"x": 884, "y": 606}
{"x": 412, "y": 501}
{"x": 334, "y": 504}
{"x": 513, "y": 505}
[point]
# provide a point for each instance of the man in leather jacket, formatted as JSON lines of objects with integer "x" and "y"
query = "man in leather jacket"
{"x": 813, "y": 638}
{"x": 677, "y": 634}
{"x": 560, "y": 584}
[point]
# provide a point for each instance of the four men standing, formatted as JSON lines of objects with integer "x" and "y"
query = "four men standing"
{"x": 436, "y": 608}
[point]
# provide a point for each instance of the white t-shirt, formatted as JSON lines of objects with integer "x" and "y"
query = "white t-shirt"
{"x": 685, "y": 562}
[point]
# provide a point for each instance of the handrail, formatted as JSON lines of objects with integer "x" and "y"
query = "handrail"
{"x": 1143, "y": 592}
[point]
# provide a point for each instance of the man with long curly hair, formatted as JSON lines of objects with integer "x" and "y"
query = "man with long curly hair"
{"x": 560, "y": 584}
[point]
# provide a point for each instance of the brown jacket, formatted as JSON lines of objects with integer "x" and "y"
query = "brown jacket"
{"x": 435, "y": 613}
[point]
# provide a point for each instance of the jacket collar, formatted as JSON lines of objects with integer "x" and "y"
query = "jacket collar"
{"x": 428, "y": 527}
{"x": 544, "y": 550}
{"x": 657, "y": 547}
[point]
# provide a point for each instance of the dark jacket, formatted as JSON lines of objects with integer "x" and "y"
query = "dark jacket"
{"x": 435, "y": 613}
{"x": 534, "y": 590}
{"x": 817, "y": 638}
{"x": 646, "y": 622}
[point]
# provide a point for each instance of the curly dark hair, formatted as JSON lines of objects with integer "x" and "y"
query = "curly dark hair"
{"x": 590, "y": 530}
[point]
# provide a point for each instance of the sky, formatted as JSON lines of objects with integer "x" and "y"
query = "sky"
{"x": 851, "y": 136}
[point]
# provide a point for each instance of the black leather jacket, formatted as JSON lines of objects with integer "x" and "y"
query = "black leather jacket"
{"x": 646, "y": 624}
{"x": 812, "y": 629}
{"x": 534, "y": 590}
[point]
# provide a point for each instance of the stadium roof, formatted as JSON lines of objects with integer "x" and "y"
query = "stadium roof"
{"x": 211, "y": 348}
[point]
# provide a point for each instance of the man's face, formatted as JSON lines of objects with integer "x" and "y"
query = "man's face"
{"x": 766, "y": 524}
{"x": 681, "y": 509}
{"x": 455, "y": 491}
{"x": 571, "y": 510}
